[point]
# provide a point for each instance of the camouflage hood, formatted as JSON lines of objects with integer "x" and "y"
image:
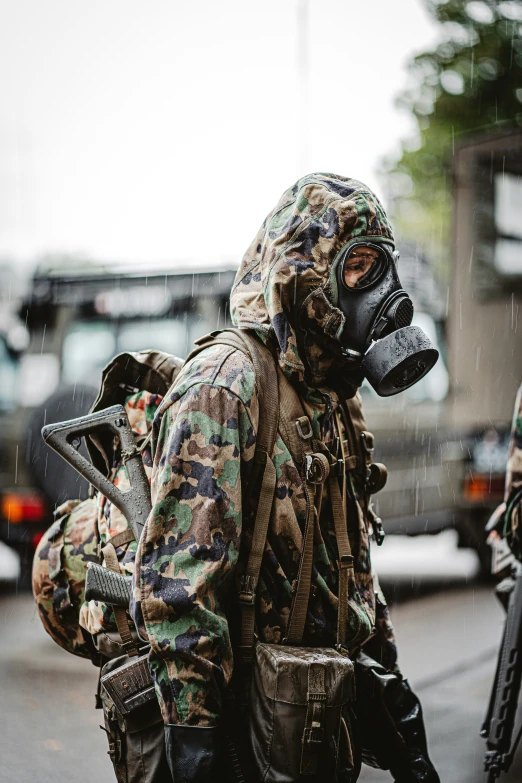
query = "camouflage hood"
{"x": 285, "y": 287}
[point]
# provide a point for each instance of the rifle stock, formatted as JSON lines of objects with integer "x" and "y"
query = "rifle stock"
{"x": 65, "y": 438}
{"x": 102, "y": 584}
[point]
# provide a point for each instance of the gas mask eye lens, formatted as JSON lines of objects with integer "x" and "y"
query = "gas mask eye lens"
{"x": 362, "y": 266}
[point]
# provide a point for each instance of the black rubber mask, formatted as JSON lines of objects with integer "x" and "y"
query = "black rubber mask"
{"x": 377, "y": 335}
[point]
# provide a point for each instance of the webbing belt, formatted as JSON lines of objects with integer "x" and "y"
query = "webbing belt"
{"x": 125, "y": 537}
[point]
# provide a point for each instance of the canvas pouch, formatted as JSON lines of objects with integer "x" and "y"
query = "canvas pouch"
{"x": 297, "y": 731}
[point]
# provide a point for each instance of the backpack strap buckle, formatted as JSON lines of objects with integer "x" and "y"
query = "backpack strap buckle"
{"x": 304, "y": 428}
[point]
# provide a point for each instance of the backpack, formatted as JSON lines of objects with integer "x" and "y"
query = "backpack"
{"x": 66, "y": 548}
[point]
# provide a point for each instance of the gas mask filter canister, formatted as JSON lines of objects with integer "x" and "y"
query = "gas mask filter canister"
{"x": 377, "y": 334}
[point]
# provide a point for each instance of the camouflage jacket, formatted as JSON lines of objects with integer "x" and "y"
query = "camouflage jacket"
{"x": 197, "y": 536}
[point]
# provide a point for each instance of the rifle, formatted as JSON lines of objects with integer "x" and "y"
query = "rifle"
{"x": 65, "y": 437}
{"x": 499, "y": 722}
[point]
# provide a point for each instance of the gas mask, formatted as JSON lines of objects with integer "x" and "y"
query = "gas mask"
{"x": 377, "y": 336}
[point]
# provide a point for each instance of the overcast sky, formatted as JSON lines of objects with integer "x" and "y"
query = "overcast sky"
{"x": 162, "y": 132}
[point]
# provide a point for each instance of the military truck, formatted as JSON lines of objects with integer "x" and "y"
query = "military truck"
{"x": 447, "y": 445}
{"x": 78, "y": 318}
{"x": 485, "y": 309}
{"x": 443, "y": 440}
{"x": 23, "y": 511}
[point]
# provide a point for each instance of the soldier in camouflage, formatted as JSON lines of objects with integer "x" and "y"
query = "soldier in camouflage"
{"x": 197, "y": 537}
{"x": 506, "y": 520}
{"x": 513, "y": 532}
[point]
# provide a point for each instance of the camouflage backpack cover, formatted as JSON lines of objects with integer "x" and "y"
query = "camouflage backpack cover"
{"x": 138, "y": 381}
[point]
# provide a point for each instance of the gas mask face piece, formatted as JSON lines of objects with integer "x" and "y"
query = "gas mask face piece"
{"x": 377, "y": 335}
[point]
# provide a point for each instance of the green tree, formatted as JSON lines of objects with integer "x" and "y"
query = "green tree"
{"x": 471, "y": 81}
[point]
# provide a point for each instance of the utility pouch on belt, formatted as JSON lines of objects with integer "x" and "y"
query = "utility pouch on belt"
{"x": 130, "y": 686}
{"x": 296, "y": 728}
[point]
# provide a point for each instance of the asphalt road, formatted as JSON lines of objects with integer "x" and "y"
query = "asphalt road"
{"x": 49, "y": 728}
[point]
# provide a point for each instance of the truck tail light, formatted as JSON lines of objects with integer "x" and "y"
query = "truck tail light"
{"x": 20, "y": 507}
{"x": 478, "y": 487}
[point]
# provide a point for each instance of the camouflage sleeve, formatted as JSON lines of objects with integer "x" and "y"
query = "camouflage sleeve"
{"x": 186, "y": 557}
{"x": 382, "y": 646}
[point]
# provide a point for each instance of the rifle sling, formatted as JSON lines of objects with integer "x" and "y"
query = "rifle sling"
{"x": 125, "y": 537}
{"x": 120, "y": 614}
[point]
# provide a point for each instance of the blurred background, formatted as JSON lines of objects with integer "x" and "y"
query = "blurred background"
{"x": 141, "y": 145}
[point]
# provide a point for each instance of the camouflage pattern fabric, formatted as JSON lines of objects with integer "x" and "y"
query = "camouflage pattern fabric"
{"x": 80, "y": 530}
{"x": 59, "y": 568}
{"x": 513, "y": 528}
{"x": 96, "y": 616}
{"x": 197, "y": 538}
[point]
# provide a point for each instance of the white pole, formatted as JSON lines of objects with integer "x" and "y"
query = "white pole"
{"x": 303, "y": 72}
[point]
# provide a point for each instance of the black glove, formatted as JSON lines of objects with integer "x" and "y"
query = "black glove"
{"x": 390, "y": 723}
{"x": 406, "y": 711}
{"x": 194, "y": 753}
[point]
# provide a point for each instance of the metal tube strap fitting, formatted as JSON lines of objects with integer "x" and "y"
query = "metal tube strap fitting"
{"x": 367, "y": 441}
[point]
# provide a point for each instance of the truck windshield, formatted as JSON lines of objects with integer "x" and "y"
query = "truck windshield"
{"x": 89, "y": 345}
{"x": 8, "y": 378}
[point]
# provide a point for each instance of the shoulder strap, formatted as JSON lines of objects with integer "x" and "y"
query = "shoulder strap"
{"x": 268, "y": 396}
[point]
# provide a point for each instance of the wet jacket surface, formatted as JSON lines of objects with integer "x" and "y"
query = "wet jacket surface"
{"x": 197, "y": 537}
